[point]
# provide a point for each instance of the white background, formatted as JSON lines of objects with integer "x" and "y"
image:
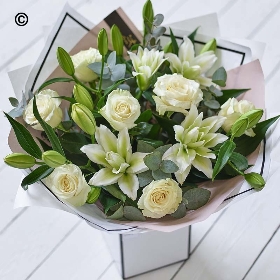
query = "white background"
{"x": 242, "y": 242}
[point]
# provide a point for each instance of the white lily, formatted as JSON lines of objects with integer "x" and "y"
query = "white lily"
{"x": 115, "y": 154}
{"x": 195, "y": 137}
{"x": 190, "y": 66}
{"x": 146, "y": 63}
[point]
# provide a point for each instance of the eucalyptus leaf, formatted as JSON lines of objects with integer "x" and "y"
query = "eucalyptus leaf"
{"x": 158, "y": 19}
{"x": 111, "y": 60}
{"x": 219, "y": 77}
{"x": 225, "y": 153}
{"x": 163, "y": 149}
{"x": 213, "y": 104}
{"x": 153, "y": 160}
{"x": 118, "y": 72}
{"x": 216, "y": 91}
{"x": 97, "y": 66}
{"x": 115, "y": 191}
{"x": 180, "y": 212}
{"x": 168, "y": 166}
{"x": 118, "y": 214}
{"x": 158, "y": 174}
{"x": 144, "y": 147}
{"x": 133, "y": 214}
{"x": 145, "y": 178}
{"x": 159, "y": 31}
{"x": 196, "y": 198}
{"x": 14, "y": 102}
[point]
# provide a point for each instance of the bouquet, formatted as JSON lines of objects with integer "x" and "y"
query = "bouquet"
{"x": 154, "y": 135}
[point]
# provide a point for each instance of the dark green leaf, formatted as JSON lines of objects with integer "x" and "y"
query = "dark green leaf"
{"x": 145, "y": 116}
{"x": 213, "y": 104}
{"x": 151, "y": 142}
{"x": 107, "y": 201}
{"x": 175, "y": 47}
{"x": 220, "y": 77}
{"x": 196, "y": 198}
{"x": 145, "y": 178}
{"x": 44, "y": 145}
{"x": 193, "y": 34}
{"x": 246, "y": 145}
{"x": 70, "y": 99}
{"x": 225, "y": 153}
{"x": 133, "y": 214}
{"x": 167, "y": 125}
{"x": 14, "y": 102}
{"x": 149, "y": 96}
{"x": 25, "y": 138}
{"x": 38, "y": 174}
{"x": 153, "y": 160}
{"x": 158, "y": 174}
{"x": 117, "y": 215}
{"x": 230, "y": 93}
{"x": 67, "y": 124}
{"x": 65, "y": 61}
{"x": 135, "y": 47}
{"x": 142, "y": 128}
{"x": 55, "y": 80}
{"x": 144, "y": 147}
{"x": 239, "y": 161}
{"x": 73, "y": 142}
{"x": 48, "y": 130}
{"x": 180, "y": 212}
{"x": 168, "y": 166}
{"x": 188, "y": 186}
{"x": 115, "y": 191}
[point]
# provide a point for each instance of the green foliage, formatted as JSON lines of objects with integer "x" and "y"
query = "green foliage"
{"x": 148, "y": 16}
{"x": 220, "y": 77}
{"x": 55, "y": 80}
{"x": 174, "y": 44}
{"x": 65, "y": 61}
{"x": 230, "y": 93}
{"x": 93, "y": 195}
{"x": 196, "y": 198}
{"x": 209, "y": 46}
{"x": 193, "y": 34}
{"x": 117, "y": 40}
{"x": 180, "y": 212}
{"x": 102, "y": 42}
{"x": 115, "y": 191}
{"x": 145, "y": 178}
{"x": 118, "y": 214}
{"x": 255, "y": 180}
{"x": 133, "y": 214}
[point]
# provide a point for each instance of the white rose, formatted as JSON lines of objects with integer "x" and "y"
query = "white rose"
{"x": 176, "y": 94}
{"x": 81, "y": 60}
{"x": 160, "y": 198}
{"x": 121, "y": 109}
{"x": 232, "y": 110}
{"x": 48, "y": 107}
{"x": 68, "y": 183}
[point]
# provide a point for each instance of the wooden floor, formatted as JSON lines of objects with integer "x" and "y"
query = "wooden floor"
{"x": 241, "y": 242}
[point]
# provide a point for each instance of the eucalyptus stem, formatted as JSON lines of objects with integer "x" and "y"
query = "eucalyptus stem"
{"x": 101, "y": 74}
{"x": 83, "y": 85}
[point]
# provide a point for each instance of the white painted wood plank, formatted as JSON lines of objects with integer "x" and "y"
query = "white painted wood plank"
{"x": 28, "y": 240}
{"x": 267, "y": 266}
{"x": 83, "y": 255}
{"x": 232, "y": 245}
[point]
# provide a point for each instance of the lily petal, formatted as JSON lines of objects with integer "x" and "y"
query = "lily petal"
{"x": 129, "y": 185}
{"x": 205, "y": 60}
{"x": 104, "y": 177}
{"x": 204, "y": 165}
{"x": 123, "y": 145}
{"x": 137, "y": 164}
{"x": 95, "y": 153}
{"x": 181, "y": 176}
{"x": 106, "y": 139}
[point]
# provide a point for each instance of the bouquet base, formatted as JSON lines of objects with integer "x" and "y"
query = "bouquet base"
{"x": 135, "y": 254}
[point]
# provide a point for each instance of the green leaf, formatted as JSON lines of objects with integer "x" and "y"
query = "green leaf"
{"x": 239, "y": 127}
{"x": 149, "y": 96}
{"x": 67, "y": 124}
{"x": 245, "y": 145}
{"x": 145, "y": 116}
{"x": 196, "y": 198}
{"x": 38, "y": 174}
{"x": 151, "y": 142}
{"x": 216, "y": 91}
{"x": 133, "y": 214}
{"x": 213, "y": 104}
{"x": 209, "y": 46}
{"x": 239, "y": 161}
{"x": 65, "y": 61}
{"x": 145, "y": 178}
{"x": 158, "y": 174}
{"x": 107, "y": 201}
{"x": 180, "y": 212}
{"x": 175, "y": 47}
{"x": 193, "y": 34}
{"x": 230, "y": 93}
{"x": 142, "y": 128}
{"x": 167, "y": 125}
{"x": 117, "y": 215}
{"x": 73, "y": 142}
{"x": 225, "y": 153}
{"x": 44, "y": 145}
{"x": 55, "y": 80}
{"x": 69, "y": 99}
{"x": 115, "y": 191}
{"x": 25, "y": 138}
{"x": 220, "y": 77}
{"x": 153, "y": 160}
{"x": 168, "y": 166}
{"x": 144, "y": 147}
{"x": 188, "y": 186}
{"x": 48, "y": 130}
{"x": 255, "y": 180}
{"x": 102, "y": 41}
{"x": 163, "y": 149}
{"x": 14, "y": 102}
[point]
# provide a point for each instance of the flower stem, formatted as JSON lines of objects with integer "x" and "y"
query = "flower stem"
{"x": 139, "y": 94}
{"x": 101, "y": 74}
{"x": 86, "y": 87}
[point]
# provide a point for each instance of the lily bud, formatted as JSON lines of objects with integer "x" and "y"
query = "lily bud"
{"x": 84, "y": 118}
{"x": 53, "y": 159}
{"x": 93, "y": 195}
{"x": 65, "y": 61}
{"x": 117, "y": 40}
{"x": 209, "y": 46}
{"x": 253, "y": 117}
{"x": 82, "y": 96}
{"x": 239, "y": 127}
{"x": 21, "y": 161}
{"x": 102, "y": 41}
{"x": 255, "y": 180}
